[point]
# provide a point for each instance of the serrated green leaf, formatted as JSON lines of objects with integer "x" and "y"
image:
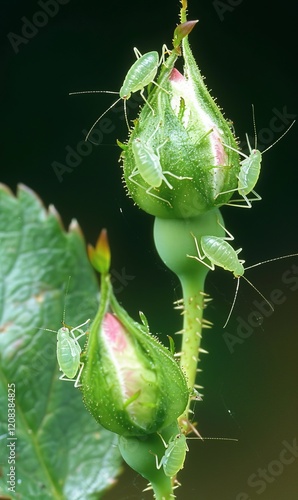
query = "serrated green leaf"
{"x": 60, "y": 451}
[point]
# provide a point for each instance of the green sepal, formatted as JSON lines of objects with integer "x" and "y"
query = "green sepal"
{"x": 140, "y": 454}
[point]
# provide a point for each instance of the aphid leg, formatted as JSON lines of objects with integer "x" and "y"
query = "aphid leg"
{"x": 201, "y": 256}
{"x": 79, "y": 376}
{"x": 78, "y": 329}
{"x": 179, "y": 177}
{"x": 230, "y": 237}
{"x": 75, "y": 380}
{"x": 161, "y": 88}
{"x": 164, "y": 51}
{"x": 148, "y": 191}
{"x": 228, "y": 191}
{"x": 160, "y": 464}
{"x": 142, "y": 95}
{"x": 247, "y": 200}
{"x": 239, "y": 202}
{"x": 163, "y": 441}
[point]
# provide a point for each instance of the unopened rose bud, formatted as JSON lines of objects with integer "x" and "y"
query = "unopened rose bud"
{"x": 178, "y": 159}
{"x": 131, "y": 383}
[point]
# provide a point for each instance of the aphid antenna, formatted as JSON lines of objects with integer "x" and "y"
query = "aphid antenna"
{"x": 271, "y": 260}
{"x": 253, "y": 286}
{"x": 279, "y": 138}
{"x": 269, "y": 147}
{"x": 65, "y": 295}
{"x": 233, "y": 304}
{"x": 108, "y": 109}
{"x": 236, "y": 293}
{"x": 255, "y": 134}
{"x": 214, "y": 438}
{"x": 64, "y": 309}
{"x": 254, "y": 126}
{"x": 256, "y": 137}
{"x": 47, "y": 330}
{"x": 94, "y": 92}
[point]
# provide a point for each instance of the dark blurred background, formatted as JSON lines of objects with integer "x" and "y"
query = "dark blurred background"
{"x": 247, "y": 52}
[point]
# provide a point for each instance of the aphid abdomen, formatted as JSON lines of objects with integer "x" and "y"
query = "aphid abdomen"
{"x": 145, "y": 72}
{"x": 219, "y": 252}
{"x": 175, "y": 456}
{"x": 68, "y": 354}
{"x": 249, "y": 172}
{"x": 141, "y": 73}
{"x": 147, "y": 163}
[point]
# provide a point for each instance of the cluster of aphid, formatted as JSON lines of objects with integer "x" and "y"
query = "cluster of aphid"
{"x": 147, "y": 157}
{"x": 211, "y": 250}
{"x": 216, "y": 249}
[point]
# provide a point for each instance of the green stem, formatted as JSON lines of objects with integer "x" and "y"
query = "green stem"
{"x": 193, "y": 304}
{"x": 174, "y": 241}
{"x": 183, "y": 11}
{"x": 163, "y": 489}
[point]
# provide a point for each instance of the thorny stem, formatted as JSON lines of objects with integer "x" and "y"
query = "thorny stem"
{"x": 193, "y": 305}
{"x": 163, "y": 489}
{"x": 183, "y": 11}
{"x": 174, "y": 241}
